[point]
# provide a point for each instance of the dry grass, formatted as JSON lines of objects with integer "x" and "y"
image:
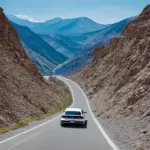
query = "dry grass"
{"x": 3, "y": 130}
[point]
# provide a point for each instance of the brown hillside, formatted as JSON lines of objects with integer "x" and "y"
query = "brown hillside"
{"x": 118, "y": 84}
{"x": 23, "y": 91}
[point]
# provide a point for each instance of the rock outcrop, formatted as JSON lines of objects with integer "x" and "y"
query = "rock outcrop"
{"x": 118, "y": 84}
{"x": 23, "y": 91}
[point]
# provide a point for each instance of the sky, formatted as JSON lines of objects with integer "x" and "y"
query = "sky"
{"x": 101, "y": 11}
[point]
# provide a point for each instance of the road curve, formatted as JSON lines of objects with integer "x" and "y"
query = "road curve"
{"x": 49, "y": 135}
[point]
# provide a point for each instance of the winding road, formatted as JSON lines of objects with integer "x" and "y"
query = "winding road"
{"x": 49, "y": 135}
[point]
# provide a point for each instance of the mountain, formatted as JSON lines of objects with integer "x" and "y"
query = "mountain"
{"x": 77, "y": 47}
{"x": 24, "y": 94}
{"x": 60, "y": 26}
{"x": 77, "y": 25}
{"x": 44, "y": 56}
{"x": 92, "y": 38}
{"x": 62, "y": 44}
{"x": 89, "y": 41}
{"x": 117, "y": 82}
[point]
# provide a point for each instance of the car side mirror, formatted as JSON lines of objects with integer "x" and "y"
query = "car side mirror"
{"x": 84, "y": 112}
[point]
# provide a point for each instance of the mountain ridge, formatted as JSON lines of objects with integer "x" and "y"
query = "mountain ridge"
{"x": 60, "y": 25}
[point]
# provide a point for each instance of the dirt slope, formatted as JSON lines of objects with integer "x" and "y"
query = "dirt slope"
{"x": 117, "y": 81}
{"x": 23, "y": 91}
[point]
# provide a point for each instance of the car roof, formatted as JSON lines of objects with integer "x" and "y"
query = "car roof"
{"x": 73, "y": 109}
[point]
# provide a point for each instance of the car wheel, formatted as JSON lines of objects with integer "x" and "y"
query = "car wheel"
{"x": 61, "y": 124}
{"x": 85, "y": 124}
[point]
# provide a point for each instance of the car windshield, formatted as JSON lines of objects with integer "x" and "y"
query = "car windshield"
{"x": 72, "y": 113}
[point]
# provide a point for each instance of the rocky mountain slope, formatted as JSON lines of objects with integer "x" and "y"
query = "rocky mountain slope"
{"x": 23, "y": 91}
{"x": 117, "y": 81}
{"x": 62, "y": 44}
{"x": 60, "y": 26}
{"x": 43, "y": 55}
{"x": 88, "y": 42}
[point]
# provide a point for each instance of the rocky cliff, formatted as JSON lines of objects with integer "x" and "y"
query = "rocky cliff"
{"x": 23, "y": 91}
{"x": 117, "y": 81}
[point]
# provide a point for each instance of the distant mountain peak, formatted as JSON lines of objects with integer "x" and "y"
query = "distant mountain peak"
{"x": 82, "y": 18}
{"x": 54, "y": 20}
{"x": 147, "y": 8}
{"x": 1, "y": 10}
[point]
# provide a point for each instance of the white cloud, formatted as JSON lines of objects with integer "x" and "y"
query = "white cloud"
{"x": 27, "y": 18}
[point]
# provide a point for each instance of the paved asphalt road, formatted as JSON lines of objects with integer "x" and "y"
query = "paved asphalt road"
{"x": 49, "y": 135}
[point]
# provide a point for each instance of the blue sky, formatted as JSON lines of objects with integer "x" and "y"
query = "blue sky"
{"x": 102, "y": 11}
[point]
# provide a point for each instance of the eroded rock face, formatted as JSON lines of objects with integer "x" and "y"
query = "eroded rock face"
{"x": 118, "y": 78}
{"x": 140, "y": 26}
{"x": 23, "y": 91}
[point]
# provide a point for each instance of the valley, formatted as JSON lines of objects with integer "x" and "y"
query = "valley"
{"x": 103, "y": 70}
{"x": 72, "y": 39}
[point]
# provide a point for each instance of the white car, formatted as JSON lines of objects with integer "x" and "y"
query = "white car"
{"x": 73, "y": 116}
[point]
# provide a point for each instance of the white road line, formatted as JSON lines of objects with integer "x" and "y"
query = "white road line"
{"x": 109, "y": 140}
{"x": 29, "y": 130}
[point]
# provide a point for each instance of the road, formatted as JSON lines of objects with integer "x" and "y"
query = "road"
{"x": 49, "y": 135}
